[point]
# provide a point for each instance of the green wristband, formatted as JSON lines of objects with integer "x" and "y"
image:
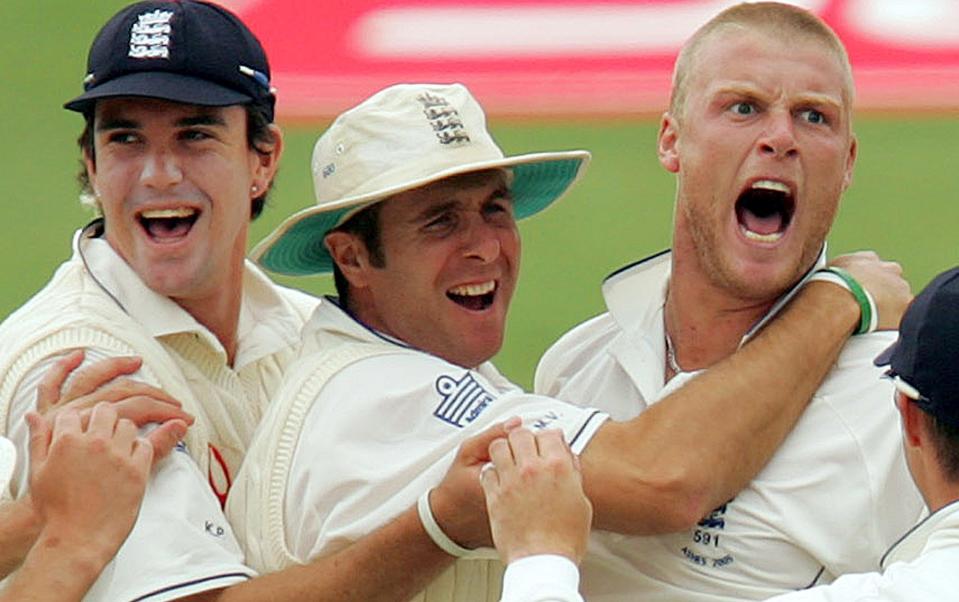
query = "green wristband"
{"x": 865, "y": 304}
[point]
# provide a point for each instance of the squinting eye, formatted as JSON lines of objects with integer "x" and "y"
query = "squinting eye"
{"x": 743, "y": 108}
{"x": 122, "y": 137}
{"x": 443, "y": 221}
{"x": 194, "y": 135}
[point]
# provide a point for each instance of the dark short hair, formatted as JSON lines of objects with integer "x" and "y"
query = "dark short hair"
{"x": 258, "y": 133}
{"x": 945, "y": 437}
{"x": 365, "y": 224}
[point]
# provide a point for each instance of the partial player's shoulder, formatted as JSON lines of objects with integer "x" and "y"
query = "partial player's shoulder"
{"x": 854, "y": 370}
{"x": 572, "y": 350}
{"x": 302, "y": 303}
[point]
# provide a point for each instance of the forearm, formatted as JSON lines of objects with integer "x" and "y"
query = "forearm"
{"x": 697, "y": 448}
{"x": 19, "y": 528}
{"x": 393, "y": 563}
{"x": 56, "y": 569}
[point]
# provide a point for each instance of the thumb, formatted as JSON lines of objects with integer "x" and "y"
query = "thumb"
{"x": 165, "y": 437}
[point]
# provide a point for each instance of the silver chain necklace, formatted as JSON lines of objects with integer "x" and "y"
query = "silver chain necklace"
{"x": 671, "y": 353}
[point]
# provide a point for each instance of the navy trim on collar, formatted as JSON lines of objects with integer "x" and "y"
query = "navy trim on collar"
{"x": 380, "y": 335}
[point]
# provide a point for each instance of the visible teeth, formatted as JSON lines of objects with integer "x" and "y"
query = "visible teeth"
{"x": 180, "y": 212}
{"x": 473, "y": 290}
{"x": 771, "y": 185}
{"x": 761, "y": 237}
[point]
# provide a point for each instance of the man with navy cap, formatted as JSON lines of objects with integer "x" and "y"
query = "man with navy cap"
{"x": 179, "y": 152}
{"x": 923, "y": 367}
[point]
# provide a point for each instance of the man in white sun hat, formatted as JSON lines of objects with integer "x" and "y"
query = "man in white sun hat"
{"x": 416, "y": 215}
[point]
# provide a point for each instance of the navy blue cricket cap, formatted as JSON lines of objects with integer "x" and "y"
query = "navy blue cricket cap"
{"x": 924, "y": 360}
{"x": 178, "y": 50}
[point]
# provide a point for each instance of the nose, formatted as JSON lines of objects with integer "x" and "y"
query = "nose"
{"x": 161, "y": 169}
{"x": 778, "y": 139}
{"x": 482, "y": 241}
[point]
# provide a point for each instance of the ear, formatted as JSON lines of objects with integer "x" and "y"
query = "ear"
{"x": 912, "y": 421}
{"x": 850, "y": 162}
{"x": 351, "y": 256}
{"x": 266, "y": 162}
{"x": 666, "y": 143}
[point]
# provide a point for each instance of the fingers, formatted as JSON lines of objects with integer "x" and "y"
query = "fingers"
{"x": 164, "y": 438}
{"x": 48, "y": 391}
{"x": 489, "y": 478}
{"x": 142, "y": 410}
{"x": 144, "y": 453}
{"x": 125, "y": 435}
{"x": 102, "y": 421}
{"x": 40, "y": 435}
{"x": 121, "y": 389}
{"x": 476, "y": 448}
{"x": 100, "y": 373}
{"x": 552, "y": 444}
{"x": 522, "y": 442}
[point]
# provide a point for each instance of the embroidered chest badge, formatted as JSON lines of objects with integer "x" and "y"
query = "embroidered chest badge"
{"x": 150, "y": 35}
{"x": 461, "y": 401}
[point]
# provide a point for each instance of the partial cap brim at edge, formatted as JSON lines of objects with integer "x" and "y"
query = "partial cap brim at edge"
{"x": 296, "y": 247}
{"x": 164, "y": 85}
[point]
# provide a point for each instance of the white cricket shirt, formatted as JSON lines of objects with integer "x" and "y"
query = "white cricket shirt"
{"x": 920, "y": 567}
{"x": 831, "y": 500}
{"x": 181, "y": 543}
{"x": 379, "y": 433}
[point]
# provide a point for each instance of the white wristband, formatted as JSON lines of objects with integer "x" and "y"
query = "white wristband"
{"x": 433, "y": 529}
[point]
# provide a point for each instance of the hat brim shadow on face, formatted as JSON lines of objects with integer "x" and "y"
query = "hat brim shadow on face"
{"x": 162, "y": 85}
{"x": 296, "y": 247}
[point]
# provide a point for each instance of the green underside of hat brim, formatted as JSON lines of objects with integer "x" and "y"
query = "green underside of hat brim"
{"x": 300, "y": 250}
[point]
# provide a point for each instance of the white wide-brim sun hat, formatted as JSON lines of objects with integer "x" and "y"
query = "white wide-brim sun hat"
{"x": 401, "y": 138}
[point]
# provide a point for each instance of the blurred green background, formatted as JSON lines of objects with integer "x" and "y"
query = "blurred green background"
{"x": 902, "y": 203}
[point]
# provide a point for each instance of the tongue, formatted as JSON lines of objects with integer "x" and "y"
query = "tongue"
{"x": 769, "y": 224}
{"x": 168, "y": 228}
{"x": 475, "y": 303}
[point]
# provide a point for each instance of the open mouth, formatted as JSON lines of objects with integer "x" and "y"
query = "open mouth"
{"x": 764, "y": 210}
{"x": 476, "y": 297}
{"x": 166, "y": 225}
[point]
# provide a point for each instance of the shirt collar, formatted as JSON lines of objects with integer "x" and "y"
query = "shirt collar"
{"x": 331, "y": 318}
{"x": 266, "y": 325}
{"x": 939, "y": 529}
{"x": 629, "y": 292}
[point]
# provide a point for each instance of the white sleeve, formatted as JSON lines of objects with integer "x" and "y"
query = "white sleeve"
{"x": 386, "y": 429}
{"x": 25, "y": 400}
{"x": 543, "y": 578}
{"x": 180, "y": 545}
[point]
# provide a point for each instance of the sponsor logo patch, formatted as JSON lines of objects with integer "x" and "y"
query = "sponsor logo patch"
{"x": 462, "y": 401}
